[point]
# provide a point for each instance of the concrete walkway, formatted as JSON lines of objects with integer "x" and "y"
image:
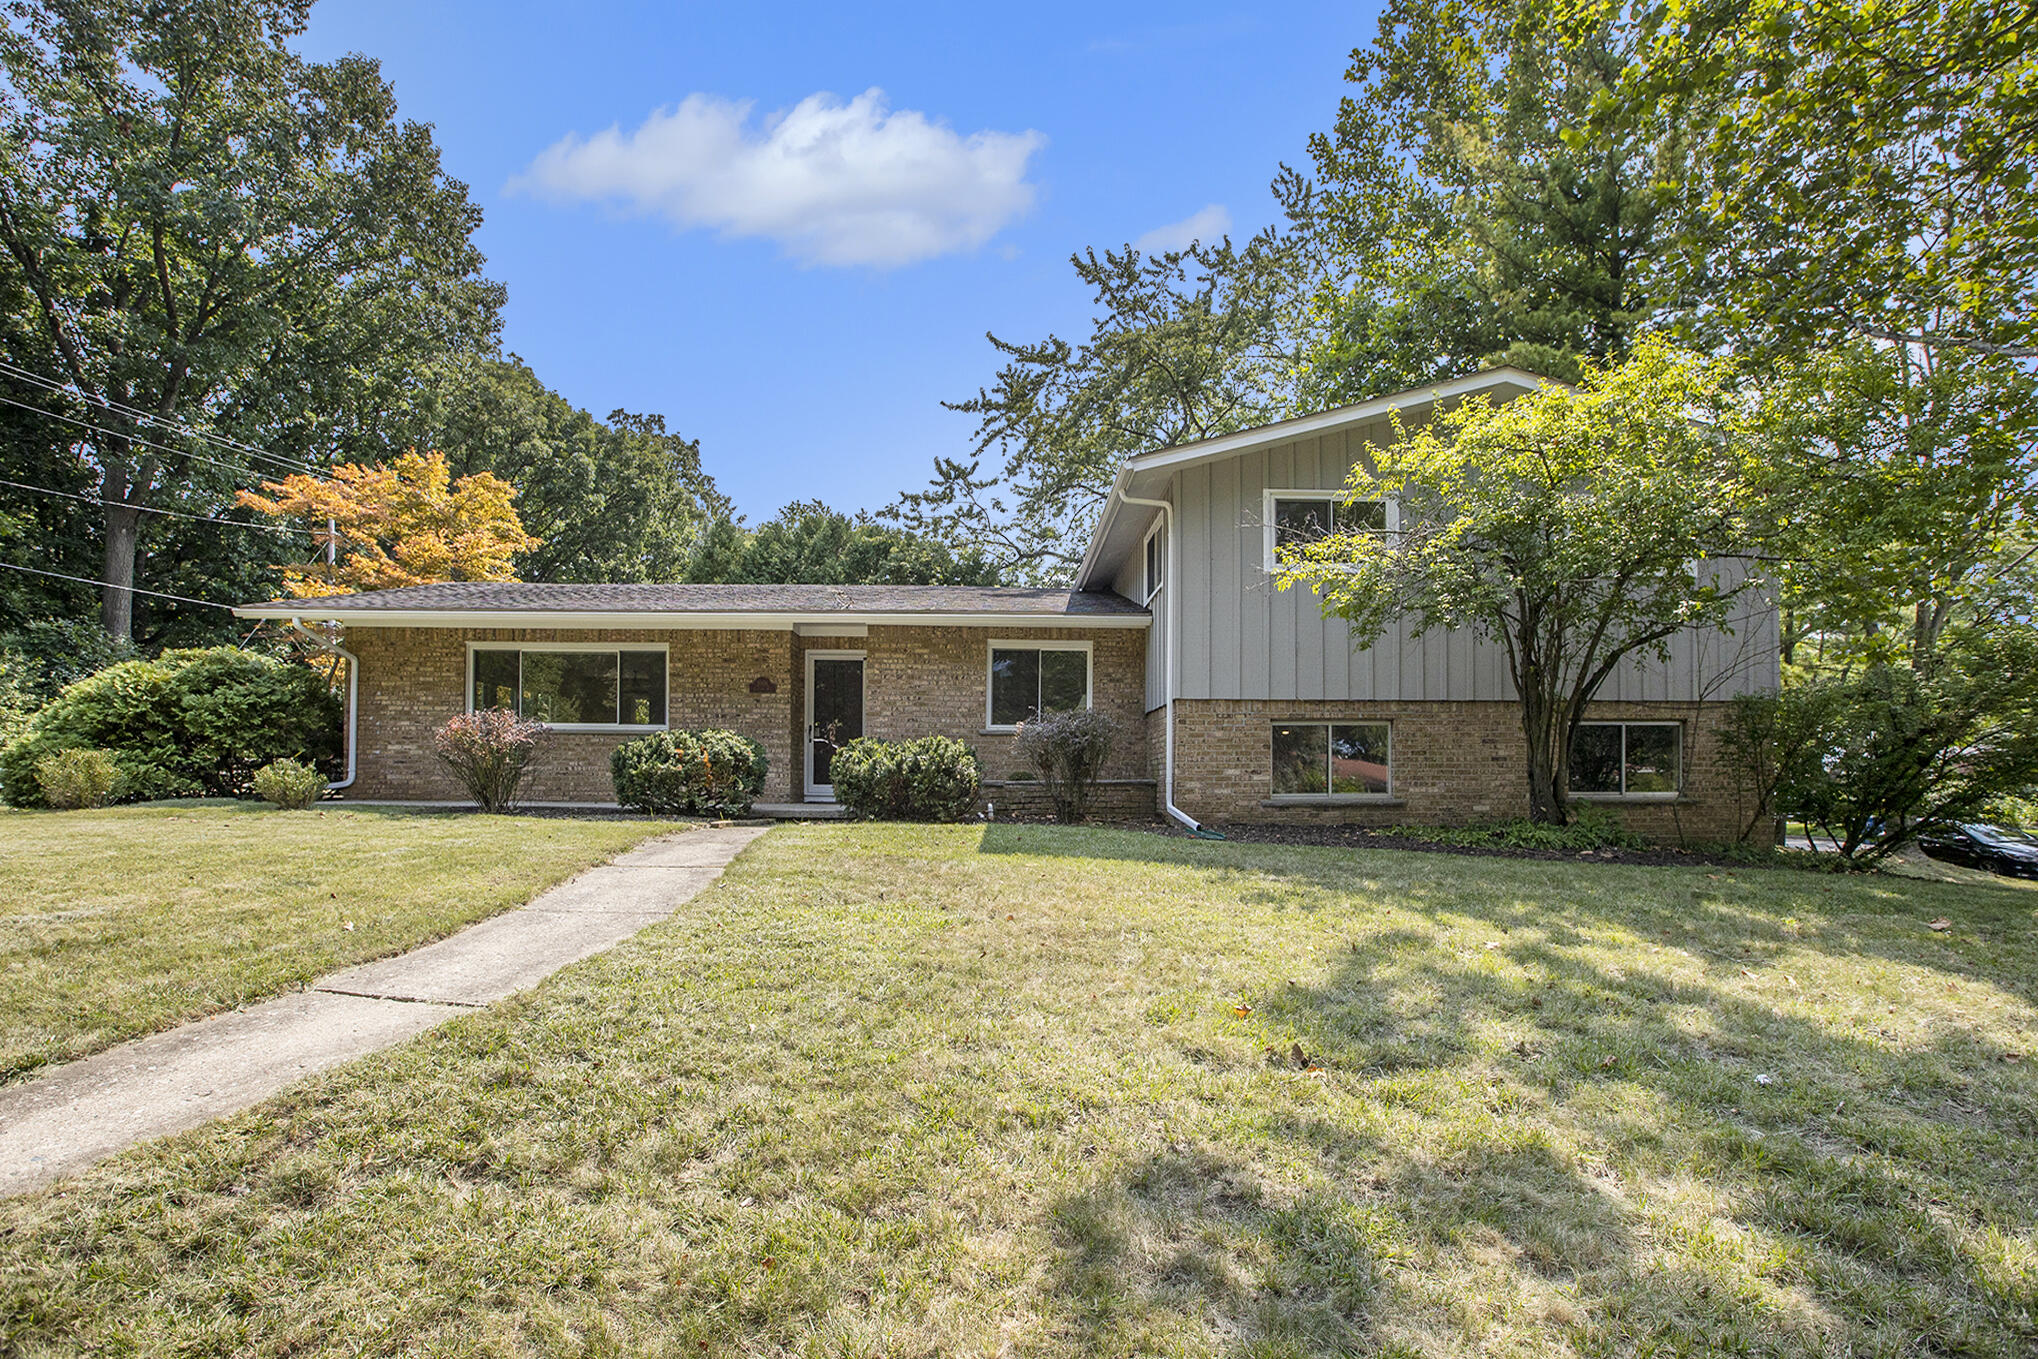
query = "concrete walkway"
{"x": 73, "y": 1115}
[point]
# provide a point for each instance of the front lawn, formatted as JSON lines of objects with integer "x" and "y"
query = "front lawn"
{"x": 120, "y": 922}
{"x": 1027, "y": 1090}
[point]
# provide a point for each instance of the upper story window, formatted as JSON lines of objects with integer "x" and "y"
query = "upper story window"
{"x": 1031, "y": 678}
{"x": 570, "y": 685}
{"x": 1296, "y": 517}
{"x": 1156, "y": 563}
{"x": 1627, "y": 759}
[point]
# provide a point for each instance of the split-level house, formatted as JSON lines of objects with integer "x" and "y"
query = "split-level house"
{"x": 1235, "y": 701}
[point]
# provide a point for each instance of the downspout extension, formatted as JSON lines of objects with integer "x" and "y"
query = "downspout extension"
{"x": 1168, "y": 675}
{"x": 348, "y": 730}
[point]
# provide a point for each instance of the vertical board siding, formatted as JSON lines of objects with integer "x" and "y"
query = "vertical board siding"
{"x": 1243, "y": 639}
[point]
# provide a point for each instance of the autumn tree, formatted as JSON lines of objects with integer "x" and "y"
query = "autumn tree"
{"x": 1573, "y": 527}
{"x": 408, "y": 523}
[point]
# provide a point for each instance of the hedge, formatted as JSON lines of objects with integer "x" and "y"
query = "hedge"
{"x": 935, "y": 778}
{"x": 714, "y": 772}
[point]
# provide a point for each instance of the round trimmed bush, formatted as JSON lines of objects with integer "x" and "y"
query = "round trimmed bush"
{"x": 935, "y": 778}
{"x": 71, "y": 779}
{"x": 289, "y": 785}
{"x": 714, "y": 772}
{"x": 186, "y": 723}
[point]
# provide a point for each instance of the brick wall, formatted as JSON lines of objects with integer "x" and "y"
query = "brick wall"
{"x": 918, "y": 682}
{"x": 1453, "y": 764}
{"x": 931, "y": 682}
{"x": 413, "y": 679}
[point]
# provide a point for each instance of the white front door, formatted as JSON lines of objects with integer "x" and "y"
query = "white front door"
{"x": 834, "y": 714}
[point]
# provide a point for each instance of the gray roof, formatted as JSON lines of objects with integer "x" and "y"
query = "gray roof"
{"x": 527, "y": 597}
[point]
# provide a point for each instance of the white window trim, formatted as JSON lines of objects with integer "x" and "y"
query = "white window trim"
{"x": 1273, "y": 493}
{"x": 1304, "y": 799}
{"x": 997, "y": 644}
{"x": 661, "y": 648}
{"x": 1148, "y": 555}
{"x": 1624, "y": 796}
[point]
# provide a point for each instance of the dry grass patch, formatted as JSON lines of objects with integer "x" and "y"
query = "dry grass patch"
{"x": 967, "y": 1090}
{"x": 120, "y": 922}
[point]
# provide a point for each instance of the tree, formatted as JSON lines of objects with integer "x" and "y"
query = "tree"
{"x": 405, "y": 524}
{"x": 201, "y": 229}
{"x": 1575, "y": 528}
{"x": 807, "y": 543}
{"x": 1859, "y": 169}
{"x": 618, "y": 500}
{"x": 1185, "y": 345}
{"x": 1469, "y": 214}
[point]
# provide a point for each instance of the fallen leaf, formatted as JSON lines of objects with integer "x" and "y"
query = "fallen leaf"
{"x": 1942, "y": 924}
{"x": 347, "y": 925}
{"x": 1301, "y": 1058}
{"x": 2012, "y": 1057}
{"x": 1764, "y": 1078}
{"x": 1749, "y": 975}
{"x": 1241, "y": 1009}
{"x": 1606, "y": 1062}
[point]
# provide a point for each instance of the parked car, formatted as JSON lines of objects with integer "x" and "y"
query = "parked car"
{"x": 2012, "y": 853}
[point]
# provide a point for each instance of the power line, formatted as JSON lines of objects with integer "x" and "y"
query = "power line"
{"x": 109, "y": 585}
{"x": 116, "y": 434}
{"x": 148, "y": 509}
{"x": 149, "y": 417}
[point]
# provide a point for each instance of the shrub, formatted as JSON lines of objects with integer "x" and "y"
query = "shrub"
{"x": 1069, "y": 750}
{"x": 289, "y": 785}
{"x": 715, "y": 772}
{"x": 187, "y": 722}
{"x": 53, "y": 653}
{"x": 1590, "y": 828}
{"x": 77, "y": 778}
{"x": 489, "y": 752}
{"x": 935, "y": 778}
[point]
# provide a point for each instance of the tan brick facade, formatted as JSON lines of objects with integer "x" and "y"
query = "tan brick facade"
{"x": 917, "y": 682}
{"x": 1453, "y": 764}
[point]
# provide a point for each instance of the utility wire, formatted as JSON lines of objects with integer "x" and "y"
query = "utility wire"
{"x": 116, "y": 434}
{"x": 109, "y": 585}
{"x": 149, "y": 417}
{"x": 147, "y": 509}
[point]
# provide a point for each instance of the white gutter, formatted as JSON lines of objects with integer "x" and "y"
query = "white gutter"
{"x": 1168, "y": 666}
{"x": 350, "y": 726}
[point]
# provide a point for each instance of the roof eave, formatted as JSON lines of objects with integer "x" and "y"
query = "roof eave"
{"x": 759, "y": 620}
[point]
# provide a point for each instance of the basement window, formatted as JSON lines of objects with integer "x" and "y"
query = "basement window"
{"x": 1333, "y": 759}
{"x": 570, "y": 687}
{"x": 1627, "y": 759}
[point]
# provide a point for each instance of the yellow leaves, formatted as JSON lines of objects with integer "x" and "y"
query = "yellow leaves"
{"x": 404, "y": 523}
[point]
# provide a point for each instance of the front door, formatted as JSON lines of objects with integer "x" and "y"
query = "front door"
{"x": 834, "y": 714}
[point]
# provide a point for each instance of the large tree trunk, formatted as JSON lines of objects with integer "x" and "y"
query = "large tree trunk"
{"x": 116, "y": 594}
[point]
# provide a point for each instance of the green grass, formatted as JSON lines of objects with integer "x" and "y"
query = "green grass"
{"x": 117, "y": 923}
{"x": 968, "y": 1090}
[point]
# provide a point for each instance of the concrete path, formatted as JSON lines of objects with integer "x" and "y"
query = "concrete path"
{"x": 73, "y": 1115}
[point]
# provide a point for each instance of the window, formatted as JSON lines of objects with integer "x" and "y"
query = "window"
{"x": 571, "y": 686}
{"x": 1156, "y": 563}
{"x": 1296, "y": 517}
{"x": 1332, "y": 759}
{"x": 1030, "y": 678}
{"x": 1627, "y": 759}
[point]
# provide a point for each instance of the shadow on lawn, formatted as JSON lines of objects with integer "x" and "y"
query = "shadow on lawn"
{"x": 1865, "y": 1195}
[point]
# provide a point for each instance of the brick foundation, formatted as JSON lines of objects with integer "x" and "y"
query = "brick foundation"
{"x": 1454, "y": 764}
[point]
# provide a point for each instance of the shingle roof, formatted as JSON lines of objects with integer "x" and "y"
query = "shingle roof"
{"x": 526, "y": 597}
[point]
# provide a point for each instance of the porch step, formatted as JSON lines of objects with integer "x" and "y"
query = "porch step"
{"x": 800, "y": 811}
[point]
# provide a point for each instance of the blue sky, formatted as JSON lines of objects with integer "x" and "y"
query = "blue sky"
{"x": 800, "y": 292}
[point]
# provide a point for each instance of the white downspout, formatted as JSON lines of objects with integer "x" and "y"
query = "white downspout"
{"x": 1168, "y": 663}
{"x": 348, "y": 730}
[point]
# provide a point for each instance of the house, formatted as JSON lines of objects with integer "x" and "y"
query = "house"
{"x": 1237, "y": 702}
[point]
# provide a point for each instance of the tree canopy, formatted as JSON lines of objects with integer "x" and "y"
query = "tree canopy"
{"x": 807, "y": 543}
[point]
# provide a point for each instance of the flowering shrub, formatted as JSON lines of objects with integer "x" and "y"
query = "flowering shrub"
{"x": 489, "y": 753}
{"x": 1069, "y": 750}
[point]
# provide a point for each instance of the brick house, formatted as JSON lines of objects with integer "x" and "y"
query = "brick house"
{"x": 1236, "y": 702}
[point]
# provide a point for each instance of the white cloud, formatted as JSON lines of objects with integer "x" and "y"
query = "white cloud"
{"x": 834, "y": 183}
{"x": 1207, "y": 225}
